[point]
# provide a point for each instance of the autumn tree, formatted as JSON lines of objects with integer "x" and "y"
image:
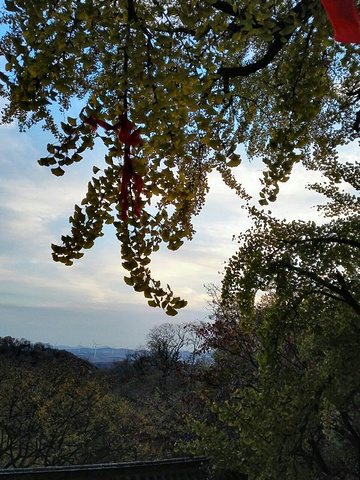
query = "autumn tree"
{"x": 170, "y": 344}
{"x": 199, "y": 78}
{"x": 160, "y": 381}
{"x": 54, "y": 410}
{"x": 290, "y": 409}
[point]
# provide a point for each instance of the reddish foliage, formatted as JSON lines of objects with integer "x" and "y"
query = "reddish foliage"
{"x": 345, "y": 20}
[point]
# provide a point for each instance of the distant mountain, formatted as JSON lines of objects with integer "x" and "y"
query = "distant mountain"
{"x": 99, "y": 355}
{"x": 103, "y": 356}
{"x": 36, "y": 354}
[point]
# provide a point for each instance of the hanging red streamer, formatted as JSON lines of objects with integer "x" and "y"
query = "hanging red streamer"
{"x": 345, "y": 20}
{"x": 130, "y": 138}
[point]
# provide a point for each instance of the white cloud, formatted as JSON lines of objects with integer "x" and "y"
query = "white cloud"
{"x": 89, "y": 300}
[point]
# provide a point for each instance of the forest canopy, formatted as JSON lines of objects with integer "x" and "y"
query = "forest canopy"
{"x": 172, "y": 89}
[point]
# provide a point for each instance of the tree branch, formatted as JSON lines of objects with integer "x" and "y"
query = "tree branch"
{"x": 274, "y": 47}
{"x": 245, "y": 70}
{"x": 342, "y": 291}
{"x": 354, "y": 437}
{"x": 342, "y": 241}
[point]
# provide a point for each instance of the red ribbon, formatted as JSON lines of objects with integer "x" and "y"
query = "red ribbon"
{"x": 130, "y": 138}
{"x": 345, "y": 20}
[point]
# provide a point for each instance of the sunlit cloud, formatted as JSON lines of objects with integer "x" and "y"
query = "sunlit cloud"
{"x": 46, "y": 301}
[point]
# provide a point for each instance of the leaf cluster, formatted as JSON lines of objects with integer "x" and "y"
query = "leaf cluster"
{"x": 201, "y": 78}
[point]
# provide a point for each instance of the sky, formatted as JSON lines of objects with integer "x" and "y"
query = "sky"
{"x": 45, "y": 301}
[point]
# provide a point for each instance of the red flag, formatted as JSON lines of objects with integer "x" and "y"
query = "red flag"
{"x": 130, "y": 138}
{"x": 345, "y": 20}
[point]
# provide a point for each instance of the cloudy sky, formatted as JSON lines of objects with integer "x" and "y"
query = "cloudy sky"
{"x": 41, "y": 300}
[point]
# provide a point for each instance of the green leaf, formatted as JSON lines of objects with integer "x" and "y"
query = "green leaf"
{"x": 153, "y": 303}
{"x": 171, "y": 311}
{"x": 68, "y": 129}
{"x": 47, "y": 161}
{"x": 235, "y": 161}
{"x": 287, "y": 30}
{"x": 76, "y": 157}
{"x": 58, "y": 172}
{"x": 72, "y": 121}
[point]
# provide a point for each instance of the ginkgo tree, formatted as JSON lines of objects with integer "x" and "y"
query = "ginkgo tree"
{"x": 192, "y": 80}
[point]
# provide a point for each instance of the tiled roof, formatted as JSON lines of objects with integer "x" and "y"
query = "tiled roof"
{"x": 174, "y": 469}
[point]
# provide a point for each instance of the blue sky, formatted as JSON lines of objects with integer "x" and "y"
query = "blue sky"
{"x": 45, "y": 301}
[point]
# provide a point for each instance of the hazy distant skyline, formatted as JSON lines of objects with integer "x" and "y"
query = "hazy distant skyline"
{"x": 45, "y": 301}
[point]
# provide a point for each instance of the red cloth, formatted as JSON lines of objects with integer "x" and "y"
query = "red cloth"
{"x": 125, "y": 129}
{"x": 345, "y": 20}
{"x": 130, "y": 138}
